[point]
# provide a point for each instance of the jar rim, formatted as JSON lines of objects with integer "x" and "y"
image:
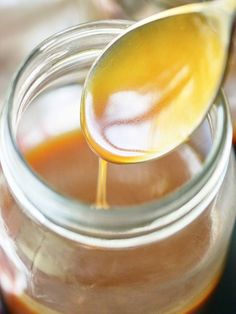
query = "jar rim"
{"x": 79, "y": 221}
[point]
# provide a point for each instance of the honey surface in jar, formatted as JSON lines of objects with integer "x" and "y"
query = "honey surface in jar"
{"x": 68, "y": 165}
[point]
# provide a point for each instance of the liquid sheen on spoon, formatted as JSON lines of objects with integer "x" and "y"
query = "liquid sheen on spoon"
{"x": 154, "y": 84}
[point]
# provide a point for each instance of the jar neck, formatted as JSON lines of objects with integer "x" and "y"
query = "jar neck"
{"x": 76, "y": 220}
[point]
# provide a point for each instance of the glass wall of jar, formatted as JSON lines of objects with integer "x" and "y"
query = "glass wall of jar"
{"x": 25, "y": 23}
{"x": 161, "y": 246}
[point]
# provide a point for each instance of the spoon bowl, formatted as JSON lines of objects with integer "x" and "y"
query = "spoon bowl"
{"x": 154, "y": 84}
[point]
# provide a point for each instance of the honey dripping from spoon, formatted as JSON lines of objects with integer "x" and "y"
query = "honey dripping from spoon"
{"x": 154, "y": 84}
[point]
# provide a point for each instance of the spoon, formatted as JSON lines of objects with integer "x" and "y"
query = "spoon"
{"x": 154, "y": 84}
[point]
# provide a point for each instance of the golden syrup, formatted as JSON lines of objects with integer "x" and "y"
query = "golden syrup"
{"x": 69, "y": 166}
{"x": 152, "y": 88}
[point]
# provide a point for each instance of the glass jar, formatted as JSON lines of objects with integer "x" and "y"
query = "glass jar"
{"x": 25, "y": 23}
{"x": 61, "y": 255}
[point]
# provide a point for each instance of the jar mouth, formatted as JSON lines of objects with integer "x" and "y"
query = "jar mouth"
{"x": 77, "y": 220}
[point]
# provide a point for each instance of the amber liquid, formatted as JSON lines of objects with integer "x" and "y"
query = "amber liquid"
{"x": 68, "y": 165}
{"x": 152, "y": 89}
{"x": 101, "y": 199}
{"x": 154, "y": 86}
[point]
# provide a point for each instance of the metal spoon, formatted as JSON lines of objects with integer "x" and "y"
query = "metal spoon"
{"x": 154, "y": 84}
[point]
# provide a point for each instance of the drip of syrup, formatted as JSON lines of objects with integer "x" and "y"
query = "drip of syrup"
{"x": 152, "y": 87}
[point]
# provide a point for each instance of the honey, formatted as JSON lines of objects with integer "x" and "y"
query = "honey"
{"x": 151, "y": 90}
{"x": 68, "y": 165}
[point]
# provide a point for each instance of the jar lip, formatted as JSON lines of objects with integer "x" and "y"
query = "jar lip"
{"x": 79, "y": 218}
